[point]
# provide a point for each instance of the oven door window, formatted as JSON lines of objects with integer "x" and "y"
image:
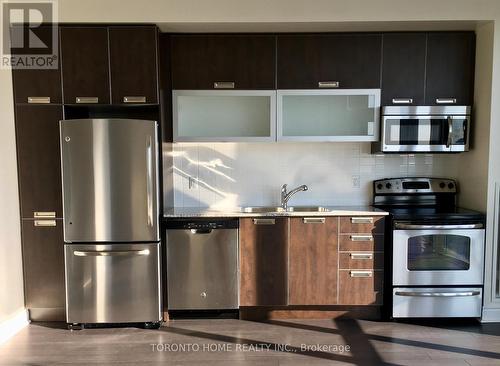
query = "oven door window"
{"x": 439, "y": 252}
{"x": 414, "y": 131}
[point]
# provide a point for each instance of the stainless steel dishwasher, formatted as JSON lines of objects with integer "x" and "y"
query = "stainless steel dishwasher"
{"x": 202, "y": 264}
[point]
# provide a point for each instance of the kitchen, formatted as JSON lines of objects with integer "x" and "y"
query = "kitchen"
{"x": 370, "y": 122}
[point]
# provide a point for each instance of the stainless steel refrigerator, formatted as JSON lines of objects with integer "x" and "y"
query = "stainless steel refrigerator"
{"x": 111, "y": 221}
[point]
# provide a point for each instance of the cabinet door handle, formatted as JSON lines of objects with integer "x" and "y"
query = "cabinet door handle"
{"x": 38, "y": 100}
{"x": 264, "y": 221}
{"x": 361, "y": 237}
{"x": 42, "y": 223}
{"x": 361, "y": 273}
{"x": 361, "y": 220}
{"x": 44, "y": 215}
{"x": 328, "y": 84}
{"x": 313, "y": 220}
{"x": 446, "y": 101}
{"x": 134, "y": 99}
{"x": 402, "y": 101}
{"x": 361, "y": 256}
{"x": 224, "y": 85}
{"x": 86, "y": 100}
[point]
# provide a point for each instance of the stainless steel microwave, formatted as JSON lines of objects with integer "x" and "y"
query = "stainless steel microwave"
{"x": 424, "y": 129}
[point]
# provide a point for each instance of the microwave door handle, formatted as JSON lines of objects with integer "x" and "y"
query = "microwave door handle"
{"x": 450, "y": 131}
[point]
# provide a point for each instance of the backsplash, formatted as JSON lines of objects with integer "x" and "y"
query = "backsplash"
{"x": 219, "y": 175}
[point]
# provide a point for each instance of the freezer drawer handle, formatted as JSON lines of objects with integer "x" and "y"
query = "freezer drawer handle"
{"x": 110, "y": 253}
{"x": 42, "y": 223}
{"x": 361, "y": 220}
{"x": 264, "y": 221}
{"x": 361, "y": 237}
{"x": 400, "y": 225}
{"x": 360, "y": 273}
{"x": 437, "y": 294}
{"x": 361, "y": 255}
{"x": 313, "y": 220}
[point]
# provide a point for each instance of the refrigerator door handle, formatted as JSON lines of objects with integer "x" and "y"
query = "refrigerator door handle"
{"x": 149, "y": 163}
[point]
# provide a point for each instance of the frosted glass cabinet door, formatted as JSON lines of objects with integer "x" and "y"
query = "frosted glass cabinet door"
{"x": 224, "y": 115}
{"x": 328, "y": 115}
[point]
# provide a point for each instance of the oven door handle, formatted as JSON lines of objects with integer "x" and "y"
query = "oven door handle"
{"x": 400, "y": 225}
{"x": 438, "y": 294}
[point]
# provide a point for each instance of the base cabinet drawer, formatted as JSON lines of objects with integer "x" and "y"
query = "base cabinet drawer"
{"x": 362, "y": 224}
{"x": 360, "y": 287}
{"x": 361, "y": 260}
{"x": 436, "y": 302}
{"x": 361, "y": 242}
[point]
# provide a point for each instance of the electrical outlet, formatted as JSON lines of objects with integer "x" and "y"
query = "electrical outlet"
{"x": 355, "y": 179}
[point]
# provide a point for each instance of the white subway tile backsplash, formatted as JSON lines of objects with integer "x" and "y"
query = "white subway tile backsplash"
{"x": 251, "y": 174}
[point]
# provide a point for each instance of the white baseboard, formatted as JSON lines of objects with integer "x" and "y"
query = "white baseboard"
{"x": 491, "y": 315}
{"x": 10, "y": 326}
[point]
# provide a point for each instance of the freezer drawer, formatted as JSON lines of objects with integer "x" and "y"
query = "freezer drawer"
{"x": 436, "y": 302}
{"x": 202, "y": 269}
{"x": 118, "y": 283}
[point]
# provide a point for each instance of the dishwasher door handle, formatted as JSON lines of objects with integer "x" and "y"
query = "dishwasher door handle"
{"x": 201, "y": 231}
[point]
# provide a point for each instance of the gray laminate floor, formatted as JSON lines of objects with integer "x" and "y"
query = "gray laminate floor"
{"x": 238, "y": 343}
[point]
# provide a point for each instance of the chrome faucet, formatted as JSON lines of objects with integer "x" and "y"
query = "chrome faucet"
{"x": 285, "y": 196}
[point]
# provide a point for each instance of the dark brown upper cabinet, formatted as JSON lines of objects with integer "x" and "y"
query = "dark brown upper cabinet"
{"x": 329, "y": 61}
{"x": 39, "y": 163}
{"x": 38, "y": 85}
{"x": 450, "y": 68}
{"x": 223, "y": 61}
{"x": 85, "y": 66}
{"x": 403, "y": 72}
{"x": 133, "y": 64}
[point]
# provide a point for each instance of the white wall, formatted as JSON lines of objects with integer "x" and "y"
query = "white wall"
{"x": 11, "y": 271}
{"x": 251, "y": 174}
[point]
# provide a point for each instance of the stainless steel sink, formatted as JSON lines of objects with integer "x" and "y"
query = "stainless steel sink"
{"x": 262, "y": 209}
{"x": 279, "y": 209}
{"x": 307, "y": 209}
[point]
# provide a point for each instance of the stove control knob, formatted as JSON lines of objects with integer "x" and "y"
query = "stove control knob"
{"x": 442, "y": 185}
{"x": 380, "y": 186}
{"x": 451, "y": 185}
{"x": 388, "y": 185}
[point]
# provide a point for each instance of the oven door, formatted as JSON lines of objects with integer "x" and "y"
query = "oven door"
{"x": 425, "y": 133}
{"x": 439, "y": 255}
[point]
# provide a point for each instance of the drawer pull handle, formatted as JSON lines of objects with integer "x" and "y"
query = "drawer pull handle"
{"x": 361, "y": 220}
{"x": 38, "y": 100}
{"x": 110, "y": 253}
{"x": 361, "y": 256}
{"x": 446, "y": 101}
{"x": 224, "y": 85}
{"x": 134, "y": 99}
{"x": 86, "y": 100}
{"x": 44, "y": 223}
{"x": 437, "y": 294}
{"x": 44, "y": 215}
{"x": 361, "y": 237}
{"x": 402, "y": 101}
{"x": 328, "y": 84}
{"x": 264, "y": 221}
{"x": 361, "y": 273}
{"x": 313, "y": 220}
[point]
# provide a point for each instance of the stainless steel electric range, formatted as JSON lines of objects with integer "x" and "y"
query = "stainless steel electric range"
{"x": 437, "y": 248}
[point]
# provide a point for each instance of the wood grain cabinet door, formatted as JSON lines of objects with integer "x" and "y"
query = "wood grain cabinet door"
{"x": 309, "y": 61}
{"x": 38, "y": 85}
{"x": 39, "y": 162}
{"x": 403, "y": 70}
{"x": 263, "y": 261}
{"x": 43, "y": 257}
{"x": 450, "y": 68}
{"x": 247, "y": 61}
{"x": 313, "y": 263}
{"x": 85, "y": 66}
{"x": 133, "y": 64}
